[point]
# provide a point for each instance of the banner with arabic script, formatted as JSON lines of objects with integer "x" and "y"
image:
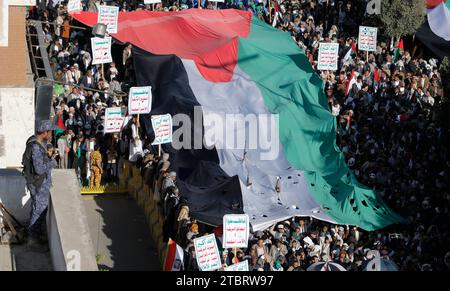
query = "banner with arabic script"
{"x": 235, "y": 230}
{"x": 328, "y": 56}
{"x": 207, "y": 253}
{"x": 367, "y": 39}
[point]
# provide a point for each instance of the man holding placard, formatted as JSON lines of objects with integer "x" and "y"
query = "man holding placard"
{"x": 109, "y": 15}
{"x": 74, "y": 6}
{"x": 101, "y": 50}
{"x": 236, "y": 230}
{"x": 152, "y": 1}
{"x": 328, "y": 56}
{"x": 367, "y": 38}
{"x": 140, "y": 100}
{"x": 239, "y": 267}
{"x": 207, "y": 253}
{"x": 114, "y": 120}
{"x": 162, "y": 126}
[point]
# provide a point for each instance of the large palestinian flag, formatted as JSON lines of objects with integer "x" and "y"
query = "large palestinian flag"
{"x": 435, "y": 32}
{"x": 228, "y": 62}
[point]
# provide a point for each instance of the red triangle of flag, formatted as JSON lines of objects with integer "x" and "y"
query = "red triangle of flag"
{"x": 400, "y": 45}
{"x": 354, "y": 46}
{"x": 60, "y": 123}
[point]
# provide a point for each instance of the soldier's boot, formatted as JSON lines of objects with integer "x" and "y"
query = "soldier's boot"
{"x": 34, "y": 245}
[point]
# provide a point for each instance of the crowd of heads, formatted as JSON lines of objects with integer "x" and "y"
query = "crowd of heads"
{"x": 386, "y": 128}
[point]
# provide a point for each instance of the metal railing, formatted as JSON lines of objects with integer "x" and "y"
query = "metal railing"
{"x": 33, "y": 22}
{"x": 43, "y": 80}
{"x": 38, "y": 50}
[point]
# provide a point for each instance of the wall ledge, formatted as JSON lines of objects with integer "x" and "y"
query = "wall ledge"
{"x": 70, "y": 241}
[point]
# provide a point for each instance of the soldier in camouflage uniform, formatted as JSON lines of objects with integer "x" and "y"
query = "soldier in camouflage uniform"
{"x": 42, "y": 158}
{"x": 96, "y": 167}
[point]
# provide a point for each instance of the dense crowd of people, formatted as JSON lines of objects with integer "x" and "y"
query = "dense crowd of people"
{"x": 386, "y": 128}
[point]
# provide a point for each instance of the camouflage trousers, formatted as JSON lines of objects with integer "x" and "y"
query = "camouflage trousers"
{"x": 39, "y": 206}
{"x": 96, "y": 177}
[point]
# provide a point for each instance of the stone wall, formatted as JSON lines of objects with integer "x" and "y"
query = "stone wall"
{"x": 16, "y": 124}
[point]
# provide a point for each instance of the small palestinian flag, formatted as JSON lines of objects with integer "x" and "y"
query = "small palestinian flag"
{"x": 60, "y": 127}
{"x": 219, "y": 64}
{"x": 435, "y": 32}
{"x": 351, "y": 52}
{"x": 351, "y": 82}
{"x": 376, "y": 80}
{"x": 400, "y": 48}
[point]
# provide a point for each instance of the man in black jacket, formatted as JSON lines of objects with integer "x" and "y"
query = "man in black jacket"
{"x": 171, "y": 203}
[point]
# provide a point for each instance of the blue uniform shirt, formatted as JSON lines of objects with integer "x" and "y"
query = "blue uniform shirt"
{"x": 42, "y": 165}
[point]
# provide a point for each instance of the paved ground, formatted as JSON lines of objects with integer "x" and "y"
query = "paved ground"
{"x": 17, "y": 257}
{"x": 31, "y": 261}
{"x": 120, "y": 234}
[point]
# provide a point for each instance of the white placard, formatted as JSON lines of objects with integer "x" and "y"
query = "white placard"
{"x": 207, "y": 253}
{"x": 328, "y": 56}
{"x": 101, "y": 50}
{"x": 235, "y": 230}
{"x": 162, "y": 126}
{"x": 140, "y": 100}
{"x": 114, "y": 120}
{"x": 239, "y": 267}
{"x": 74, "y": 6}
{"x": 152, "y": 1}
{"x": 109, "y": 16}
{"x": 367, "y": 38}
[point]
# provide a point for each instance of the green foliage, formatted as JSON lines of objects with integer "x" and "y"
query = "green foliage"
{"x": 402, "y": 17}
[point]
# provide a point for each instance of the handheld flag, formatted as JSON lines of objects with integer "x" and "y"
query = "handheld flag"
{"x": 400, "y": 48}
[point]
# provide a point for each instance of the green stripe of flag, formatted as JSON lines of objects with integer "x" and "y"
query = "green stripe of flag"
{"x": 291, "y": 88}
